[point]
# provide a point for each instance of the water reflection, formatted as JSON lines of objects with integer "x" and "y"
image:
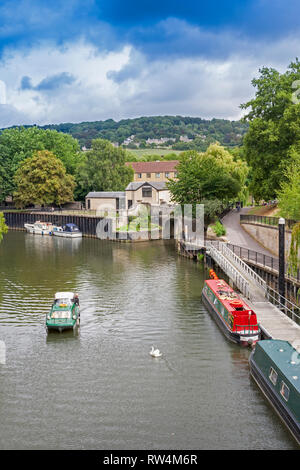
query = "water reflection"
{"x": 132, "y": 296}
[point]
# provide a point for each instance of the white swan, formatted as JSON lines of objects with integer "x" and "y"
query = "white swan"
{"x": 155, "y": 352}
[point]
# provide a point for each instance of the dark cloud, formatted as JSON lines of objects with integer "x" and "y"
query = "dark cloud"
{"x": 51, "y": 83}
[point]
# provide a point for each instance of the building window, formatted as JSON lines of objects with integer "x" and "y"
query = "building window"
{"x": 157, "y": 175}
{"x": 175, "y": 174}
{"x": 284, "y": 391}
{"x": 139, "y": 175}
{"x": 147, "y": 191}
{"x": 88, "y": 203}
{"x": 148, "y": 175}
{"x": 167, "y": 174}
{"x": 129, "y": 203}
{"x": 273, "y": 376}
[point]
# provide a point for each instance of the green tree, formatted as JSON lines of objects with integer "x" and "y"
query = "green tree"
{"x": 3, "y": 226}
{"x": 17, "y": 144}
{"x": 103, "y": 169}
{"x": 289, "y": 193}
{"x": 274, "y": 128}
{"x": 42, "y": 179}
{"x": 212, "y": 178}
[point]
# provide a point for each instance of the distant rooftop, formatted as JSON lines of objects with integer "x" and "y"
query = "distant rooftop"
{"x": 154, "y": 167}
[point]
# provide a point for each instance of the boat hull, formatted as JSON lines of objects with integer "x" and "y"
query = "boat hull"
{"x": 37, "y": 231}
{"x": 280, "y": 408}
{"x": 60, "y": 327}
{"x": 67, "y": 235}
{"x": 242, "y": 339}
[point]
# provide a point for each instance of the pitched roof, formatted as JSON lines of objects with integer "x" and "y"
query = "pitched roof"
{"x": 153, "y": 167}
{"x": 158, "y": 185}
{"x": 106, "y": 194}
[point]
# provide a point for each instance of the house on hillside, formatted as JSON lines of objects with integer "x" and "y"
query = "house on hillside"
{"x": 158, "y": 171}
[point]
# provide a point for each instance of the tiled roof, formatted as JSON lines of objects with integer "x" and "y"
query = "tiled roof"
{"x": 153, "y": 167}
{"x": 135, "y": 185}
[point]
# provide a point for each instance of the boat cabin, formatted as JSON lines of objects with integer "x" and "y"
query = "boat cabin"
{"x": 71, "y": 228}
{"x": 234, "y": 311}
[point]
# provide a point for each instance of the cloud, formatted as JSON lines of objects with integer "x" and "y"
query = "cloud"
{"x": 86, "y": 84}
{"x": 50, "y": 83}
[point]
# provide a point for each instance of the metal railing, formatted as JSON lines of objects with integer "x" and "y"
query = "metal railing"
{"x": 265, "y": 220}
{"x": 284, "y": 305}
{"x": 244, "y": 266}
{"x": 239, "y": 280}
{"x": 263, "y": 260}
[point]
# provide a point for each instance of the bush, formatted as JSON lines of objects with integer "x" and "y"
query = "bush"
{"x": 219, "y": 229}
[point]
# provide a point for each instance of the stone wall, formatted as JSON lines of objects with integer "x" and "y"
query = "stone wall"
{"x": 267, "y": 236}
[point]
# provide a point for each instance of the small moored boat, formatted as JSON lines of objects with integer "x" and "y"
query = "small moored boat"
{"x": 40, "y": 228}
{"x": 275, "y": 367}
{"x": 67, "y": 231}
{"x": 235, "y": 318}
{"x": 64, "y": 313}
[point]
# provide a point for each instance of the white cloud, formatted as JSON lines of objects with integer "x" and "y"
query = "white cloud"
{"x": 126, "y": 83}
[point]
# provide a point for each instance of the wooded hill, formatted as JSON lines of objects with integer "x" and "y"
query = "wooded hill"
{"x": 202, "y": 131}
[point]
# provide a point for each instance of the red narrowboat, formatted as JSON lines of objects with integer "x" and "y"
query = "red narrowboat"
{"x": 235, "y": 318}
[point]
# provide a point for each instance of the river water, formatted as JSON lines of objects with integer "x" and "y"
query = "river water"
{"x": 98, "y": 388}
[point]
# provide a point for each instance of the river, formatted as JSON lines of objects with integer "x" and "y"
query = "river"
{"x": 98, "y": 388}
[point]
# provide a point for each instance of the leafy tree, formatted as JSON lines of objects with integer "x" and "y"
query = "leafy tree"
{"x": 274, "y": 128}
{"x": 103, "y": 169}
{"x": 17, "y": 144}
{"x": 42, "y": 179}
{"x": 289, "y": 193}
{"x": 212, "y": 178}
{"x": 3, "y": 226}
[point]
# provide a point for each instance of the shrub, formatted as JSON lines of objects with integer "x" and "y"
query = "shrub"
{"x": 219, "y": 229}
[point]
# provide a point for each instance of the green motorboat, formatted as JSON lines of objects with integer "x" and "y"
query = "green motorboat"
{"x": 64, "y": 313}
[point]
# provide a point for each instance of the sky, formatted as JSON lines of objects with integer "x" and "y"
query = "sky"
{"x": 74, "y": 61}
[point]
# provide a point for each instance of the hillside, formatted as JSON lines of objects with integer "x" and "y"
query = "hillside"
{"x": 178, "y": 132}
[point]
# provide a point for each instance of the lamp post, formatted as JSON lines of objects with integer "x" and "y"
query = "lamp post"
{"x": 281, "y": 254}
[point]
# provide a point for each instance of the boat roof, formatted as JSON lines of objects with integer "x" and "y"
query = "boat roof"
{"x": 220, "y": 288}
{"x": 71, "y": 225}
{"x": 64, "y": 295}
{"x": 286, "y": 358}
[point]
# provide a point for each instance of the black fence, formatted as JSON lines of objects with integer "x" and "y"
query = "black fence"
{"x": 87, "y": 225}
{"x": 265, "y": 220}
{"x": 263, "y": 260}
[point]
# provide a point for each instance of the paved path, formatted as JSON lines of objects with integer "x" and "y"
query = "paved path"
{"x": 238, "y": 236}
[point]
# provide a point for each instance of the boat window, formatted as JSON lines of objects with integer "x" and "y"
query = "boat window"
{"x": 62, "y": 302}
{"x": 273, "y": 376}
{"x": 61, "y": 314}
{"x": 285, "y": 391}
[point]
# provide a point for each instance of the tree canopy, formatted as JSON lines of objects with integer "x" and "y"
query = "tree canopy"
{"x": 17, "y": 144}
{"x": 212, "y": 178}
{"x": 42, "y": 179}
{"x": 289, "y": 193}
{"x": 274, "y": 118}
{"x": 103, "y": 169}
